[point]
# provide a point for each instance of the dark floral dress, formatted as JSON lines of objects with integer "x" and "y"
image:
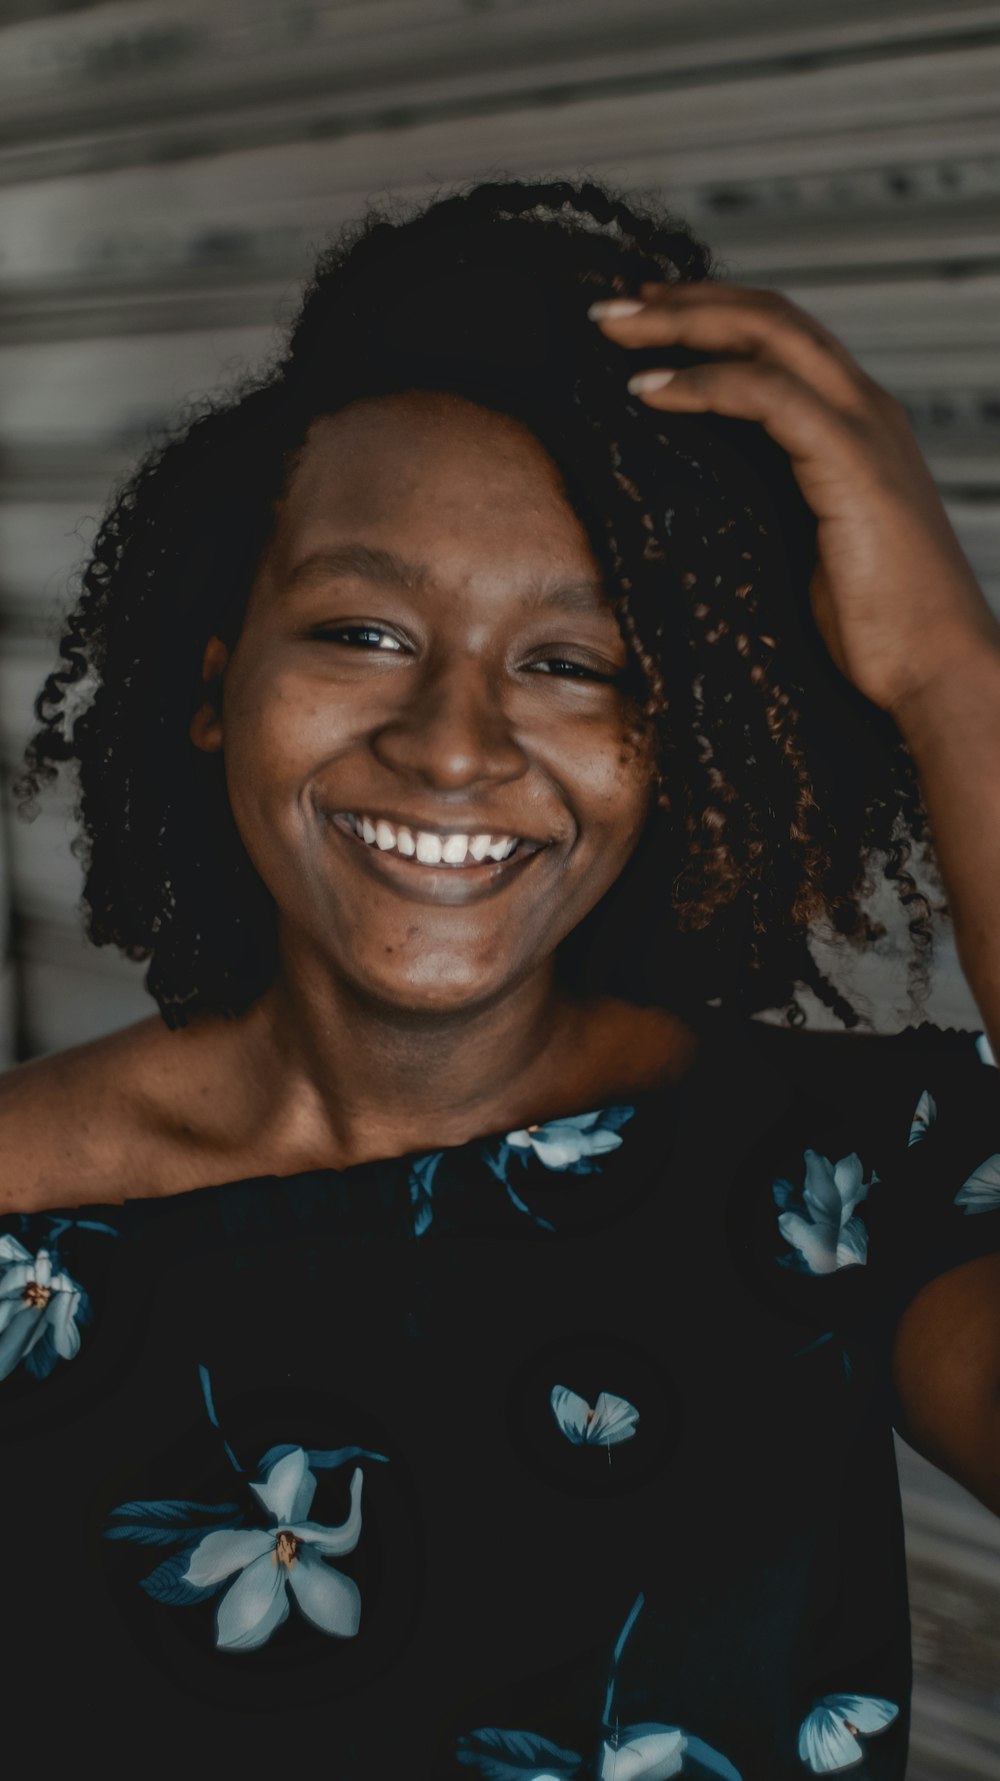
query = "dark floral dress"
{"x": 561, "y": 1453}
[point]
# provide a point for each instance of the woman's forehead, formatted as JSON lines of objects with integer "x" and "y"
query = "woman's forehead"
{"x": 431, "y": 463}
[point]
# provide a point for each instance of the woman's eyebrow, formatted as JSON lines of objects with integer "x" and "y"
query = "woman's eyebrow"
{"x": 374, "y": 562}
{"x": 378, "y": 563}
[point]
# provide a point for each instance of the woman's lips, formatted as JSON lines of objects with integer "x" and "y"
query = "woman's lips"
{"x": 436, "y": 884}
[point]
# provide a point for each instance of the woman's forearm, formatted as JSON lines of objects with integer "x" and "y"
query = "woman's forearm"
{"x": 951, "y": 725}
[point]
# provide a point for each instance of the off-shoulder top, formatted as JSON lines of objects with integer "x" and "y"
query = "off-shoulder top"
{"x": 560, "y": 1453}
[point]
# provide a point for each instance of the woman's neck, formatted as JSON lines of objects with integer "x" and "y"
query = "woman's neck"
{"x": 307, "y": 1084}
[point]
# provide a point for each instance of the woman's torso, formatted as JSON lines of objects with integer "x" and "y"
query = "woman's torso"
{"x": 723, "y": 1559}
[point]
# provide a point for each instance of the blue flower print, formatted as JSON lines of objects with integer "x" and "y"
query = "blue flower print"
{"x": 271, "y": 1565}
{"x": 981, "y": 1192}
{"x": 566, "y": 1144}
{"x": 830, "y": 1735}
{"x": 261, "y": 1569}
{"x": 517, "y": 1756}
{"x": 41, "y": 1310}
{"x": 611, "y": 1420}
{"x": 571, "y": 1143}
{"x": 655, "y": 1752}
{"x": 422, "y": 1173}
{"x": 639, "y": 1753}
{"x": 924, "y": 1115}
{"x": 820, "y": 1227}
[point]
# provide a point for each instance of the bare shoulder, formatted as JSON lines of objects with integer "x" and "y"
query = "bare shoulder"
{"x": 93, "y": 1123}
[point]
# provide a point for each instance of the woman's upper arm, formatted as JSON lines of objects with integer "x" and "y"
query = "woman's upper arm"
{"x": 946, "y": 1374}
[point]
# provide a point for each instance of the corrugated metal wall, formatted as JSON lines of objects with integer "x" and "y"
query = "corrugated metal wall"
{"x": 167, "y": 171}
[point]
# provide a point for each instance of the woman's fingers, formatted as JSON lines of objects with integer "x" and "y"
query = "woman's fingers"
{"x": 795, "y": 414}
{"x": 753, "y": 324}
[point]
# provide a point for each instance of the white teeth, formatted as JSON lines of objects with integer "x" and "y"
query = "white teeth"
{"x": 431, "y": 849}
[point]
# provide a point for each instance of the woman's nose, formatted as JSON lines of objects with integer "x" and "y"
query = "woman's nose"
{"x": 452, "y": 730}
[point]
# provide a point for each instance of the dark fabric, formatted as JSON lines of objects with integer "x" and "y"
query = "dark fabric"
{"x": 693, "y": 1591}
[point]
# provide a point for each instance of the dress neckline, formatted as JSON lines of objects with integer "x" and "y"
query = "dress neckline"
{"x": 711, "y": 1024}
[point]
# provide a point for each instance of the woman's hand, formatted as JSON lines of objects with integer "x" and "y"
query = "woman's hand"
{"x": 895, "y": 600}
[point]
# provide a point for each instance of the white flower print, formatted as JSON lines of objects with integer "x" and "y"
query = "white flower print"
{"x": 271, "y": 1565}
{"x": 981, "y": 1192}
{"x": 611, "y": 1420}
{"x": 568, "y": 1143}
{"x": 822, "y": 1228}
{"x": 830, "y": 1735}
{"x": 924, "y": 1115}
{"x": 985, "y": 1050}
{"x": 647, "y": 1753}
{"x": 40, "y": 1310}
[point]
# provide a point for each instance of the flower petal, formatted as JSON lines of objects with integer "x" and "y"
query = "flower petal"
{"x": 816, "y": 1243}
{"x": 43, "y": 1268}
{"x": 825, "y": 1744}
{"x": 520, "y": 1140}
{"x": 849, "y": 1180}
{"x": 571, "y": 1413}
{"x": 331, "y": 1601}
{"x": 924, "y": 1115}
{"x": 648, "y": 1753}
{"x": 20, "y": 1336}
{"x": 614, "y": 1420}
{"x": 559, "y": 1151}
{"x": 13, "y": 1251}
{"x": 65, "y": 1335}
{"x": 288, "y": 1490}
{"x": 15, "y": 1278}
{"x": 869, "y": 1712}
{"x": 253, "y": 1607}
{"x": 852, "y": 1245}
{"x": 226, "y": 1550}
{"x": 981, "y": 1193}
{"x": 985, "y": 1050}
{"x": 9, "y": 1308}
{"x": 335, "y": 1541}
{"x": 820, "y": 1191}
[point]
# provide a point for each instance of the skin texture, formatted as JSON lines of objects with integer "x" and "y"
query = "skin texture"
{"x": 465, "y": 698}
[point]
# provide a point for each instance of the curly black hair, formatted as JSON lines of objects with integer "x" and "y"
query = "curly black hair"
{"x": 782, "y": 794}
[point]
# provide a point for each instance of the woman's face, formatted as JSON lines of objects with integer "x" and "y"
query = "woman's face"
{"x": 428, "y": 654}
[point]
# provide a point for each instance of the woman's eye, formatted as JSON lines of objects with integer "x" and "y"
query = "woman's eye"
{"x": 559, "y": 664}
{"x": 372, "y": 636}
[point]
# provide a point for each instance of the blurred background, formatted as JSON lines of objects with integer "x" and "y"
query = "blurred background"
{"x": 168, "y": 169}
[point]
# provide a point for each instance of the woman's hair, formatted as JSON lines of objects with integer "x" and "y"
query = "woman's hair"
{"x": 783, "y": 795}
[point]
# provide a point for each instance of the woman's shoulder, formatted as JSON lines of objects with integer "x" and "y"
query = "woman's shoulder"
{"x": 93, "y": 1123}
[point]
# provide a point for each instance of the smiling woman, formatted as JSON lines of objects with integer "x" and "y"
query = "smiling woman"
{"x": 485, "y": 704}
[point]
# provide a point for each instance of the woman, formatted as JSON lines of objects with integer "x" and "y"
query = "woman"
{"x": 448, "y": 1334}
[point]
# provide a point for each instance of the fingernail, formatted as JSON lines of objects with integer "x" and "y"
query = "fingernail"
{"x": 615, "y": 306}
{"x": 649, "y": 380}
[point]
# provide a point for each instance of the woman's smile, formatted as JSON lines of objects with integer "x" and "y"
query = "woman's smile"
{"x": 396, "y": 860}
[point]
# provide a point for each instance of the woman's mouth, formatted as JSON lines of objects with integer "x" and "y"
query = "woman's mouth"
{"x": 446, "y": 867}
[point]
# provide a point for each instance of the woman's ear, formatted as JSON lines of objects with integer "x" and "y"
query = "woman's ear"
{"x": 205, "y": 728}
